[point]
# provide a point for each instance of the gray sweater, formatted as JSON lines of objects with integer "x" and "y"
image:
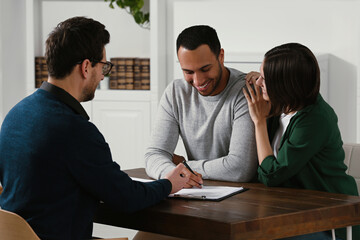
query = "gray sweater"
{"x": 217, "y": 132}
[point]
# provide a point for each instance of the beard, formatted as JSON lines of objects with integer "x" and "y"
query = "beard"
{"x": 217, "y": 80}
{"x": 88, "y": 93}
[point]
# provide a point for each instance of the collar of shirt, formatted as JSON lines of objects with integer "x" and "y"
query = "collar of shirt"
{"x": 65, "y": 97}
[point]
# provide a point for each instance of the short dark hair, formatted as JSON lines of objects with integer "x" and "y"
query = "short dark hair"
{"x": 194, "y": 36}
{"x": 292, "y": 77}
{"x": 73, "y": 41}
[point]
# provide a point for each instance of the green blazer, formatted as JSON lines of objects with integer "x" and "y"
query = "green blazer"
{"x": 311, "y": 154}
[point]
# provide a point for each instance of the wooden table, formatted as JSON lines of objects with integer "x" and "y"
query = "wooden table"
{"x": 259, "y": 213}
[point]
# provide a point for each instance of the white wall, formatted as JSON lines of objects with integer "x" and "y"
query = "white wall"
{"x": 325, "y": 26}
{"x": 12, "y": 58}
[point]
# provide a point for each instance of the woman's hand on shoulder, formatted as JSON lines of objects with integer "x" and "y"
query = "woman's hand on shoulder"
{"x": 251, "y": 77}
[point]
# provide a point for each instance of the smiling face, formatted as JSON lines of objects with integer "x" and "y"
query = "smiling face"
{"x": 203, "y": 70}
{"x": 261, "y": 83}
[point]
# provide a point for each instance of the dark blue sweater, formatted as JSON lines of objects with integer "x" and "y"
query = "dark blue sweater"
{"x": 55, "y": 167}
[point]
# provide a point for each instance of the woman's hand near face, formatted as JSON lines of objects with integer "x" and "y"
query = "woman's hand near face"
{"x": 259, "y": 110}
{"x": 251, "y": 77}
{"x": 258, "y": 107}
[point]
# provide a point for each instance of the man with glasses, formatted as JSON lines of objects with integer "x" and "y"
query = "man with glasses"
{"x": 55, "y": 166}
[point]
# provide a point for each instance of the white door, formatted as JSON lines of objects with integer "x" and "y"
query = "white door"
{"x": 126, "y": 128}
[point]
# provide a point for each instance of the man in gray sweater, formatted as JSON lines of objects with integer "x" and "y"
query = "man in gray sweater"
{"x": 210, "y": 113}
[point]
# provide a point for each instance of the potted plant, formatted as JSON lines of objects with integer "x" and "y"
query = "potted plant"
{"x": 135, "y": 8}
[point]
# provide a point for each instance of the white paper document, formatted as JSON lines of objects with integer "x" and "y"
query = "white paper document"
{"x": 213, "y": 193}
{"x": 141, "y": 179}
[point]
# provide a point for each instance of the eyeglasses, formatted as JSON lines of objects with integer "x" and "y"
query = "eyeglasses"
{"x": 105, "y": 69}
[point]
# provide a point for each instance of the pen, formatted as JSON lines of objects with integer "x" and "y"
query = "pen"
{"x": 188, "y": 167}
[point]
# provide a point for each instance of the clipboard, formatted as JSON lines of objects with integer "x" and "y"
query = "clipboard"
{"x": 209, "y": 193}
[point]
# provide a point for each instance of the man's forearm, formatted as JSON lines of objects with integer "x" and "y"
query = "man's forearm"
{"x": 158, "y": 164}
{"x": 227, "y": 168}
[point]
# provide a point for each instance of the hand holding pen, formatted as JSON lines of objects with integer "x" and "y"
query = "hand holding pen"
{"x": 195, "y": 177}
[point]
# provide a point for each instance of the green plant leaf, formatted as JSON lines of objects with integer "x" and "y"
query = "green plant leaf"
{"x": 138, "y": 16}
{"x": 134, "y": 8}
{"x": 139, "y": 4}
{"x": 130, "y": 3}
{"x": 120, "y": 3}
{"x": 147, "y": 17}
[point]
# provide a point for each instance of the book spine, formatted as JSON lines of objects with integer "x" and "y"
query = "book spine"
{"x": 129, "y": 75}
{"x": 44, "y": 70}
{"x": 137, "y": 74}
{"x": 145, "y": 73}
{"x": 113, "y": 75}
{"x": 38, "y": 72}
{"x": 121, "y": 70}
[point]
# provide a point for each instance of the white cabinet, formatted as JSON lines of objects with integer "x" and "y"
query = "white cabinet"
{"x": 126, "y": 127}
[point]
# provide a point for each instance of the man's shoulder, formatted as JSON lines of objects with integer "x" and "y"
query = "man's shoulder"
{"x": 41, "y": 104}
{"x": 236, "y": 83}
{"x": 236, "y": 76}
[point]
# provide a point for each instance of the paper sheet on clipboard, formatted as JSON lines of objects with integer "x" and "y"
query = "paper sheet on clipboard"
{"x": 212, "y": 193}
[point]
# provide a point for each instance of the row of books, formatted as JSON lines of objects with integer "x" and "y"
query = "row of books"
{"x": 127, "y": 73}
{"x": 130, "y": 73}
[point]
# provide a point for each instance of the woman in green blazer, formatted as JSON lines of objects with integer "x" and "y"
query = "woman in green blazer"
{"x": 298, "y": 140}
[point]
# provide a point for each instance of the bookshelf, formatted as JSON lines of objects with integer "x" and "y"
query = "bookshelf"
{"x": 123, "y": 116}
